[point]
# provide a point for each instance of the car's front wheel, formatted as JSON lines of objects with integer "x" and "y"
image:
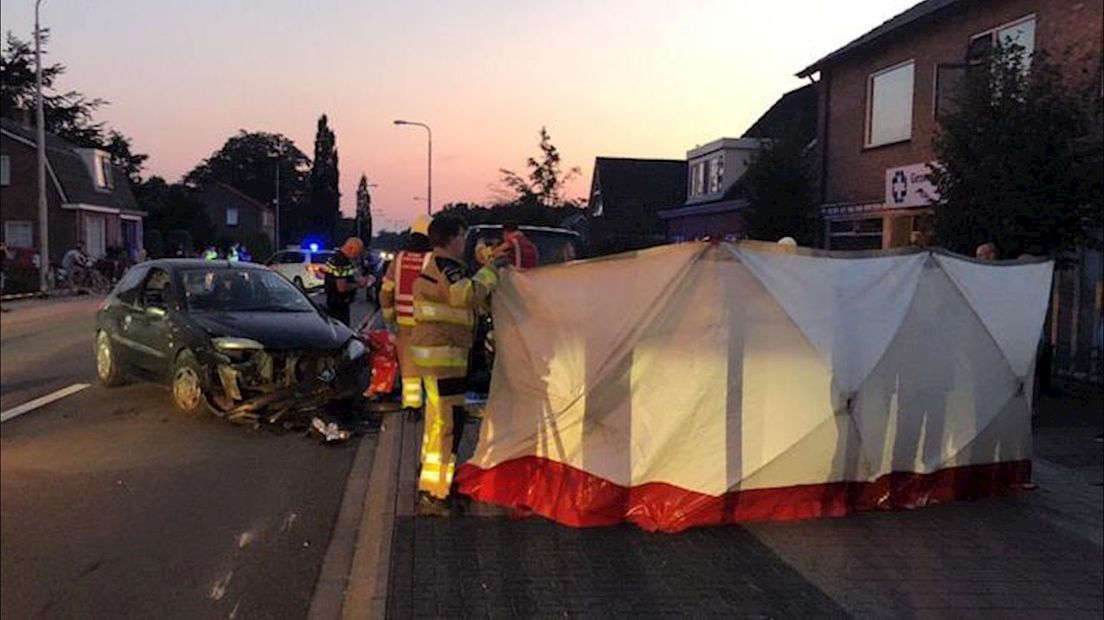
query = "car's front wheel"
{"x": 107, "y": 366}
{"x": 187, "y": 386}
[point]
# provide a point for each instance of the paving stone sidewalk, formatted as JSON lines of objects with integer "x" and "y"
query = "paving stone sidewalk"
{"x": 1037, "y": 554}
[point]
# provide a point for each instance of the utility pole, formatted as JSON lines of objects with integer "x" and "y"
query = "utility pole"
{"x": 276, "y": 234}
{"x": 43, "y": 213}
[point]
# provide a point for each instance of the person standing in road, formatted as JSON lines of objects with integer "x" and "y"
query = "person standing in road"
{"x": 210, "y": 253}
{"x": 445, "y": 299}
{"x": 342, "y": 279}
{"x": 397, "y": 305}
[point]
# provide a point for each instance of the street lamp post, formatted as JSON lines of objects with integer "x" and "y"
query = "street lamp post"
{"x": 360, "y": 215}
{"x": 43, "y": 229}
{"x": 429, "y": 166}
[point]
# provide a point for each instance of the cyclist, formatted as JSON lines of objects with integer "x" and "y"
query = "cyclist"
{"x": 75, "y": 263}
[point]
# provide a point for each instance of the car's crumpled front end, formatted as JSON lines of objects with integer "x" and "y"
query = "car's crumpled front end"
{"x": 252, "y": 384}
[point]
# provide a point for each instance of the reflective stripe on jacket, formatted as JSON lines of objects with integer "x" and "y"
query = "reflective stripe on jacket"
{"x": 444, "y": 313}
{"x": 397, "y": 290}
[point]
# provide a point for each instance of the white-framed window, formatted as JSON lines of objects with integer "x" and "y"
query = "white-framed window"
{"x": 18, "y": 234}
{"x": 716, "y": 175}
{"x": 1020, "y": 32}
{"x": 231, "y": 216}
{"x": 105, "y": 178}
{"x": 697, "y": 178}
{"x": 5, "y": 170}
{"x": 889, "y": 105}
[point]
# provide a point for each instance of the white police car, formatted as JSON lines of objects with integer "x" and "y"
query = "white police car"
{"x": 303, "y": 267}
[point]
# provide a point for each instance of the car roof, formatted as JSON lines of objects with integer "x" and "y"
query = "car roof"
{"x": 199, "y": 263}
{"x": 543, "y": 229}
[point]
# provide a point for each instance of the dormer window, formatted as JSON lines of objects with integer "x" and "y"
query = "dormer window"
{"x": 707, "y": 176}
{"x": 105, "y": 179}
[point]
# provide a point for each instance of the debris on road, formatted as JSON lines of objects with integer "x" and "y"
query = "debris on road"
{"x": 288, "y": 522}
{"x": 329, "y": 431}
{"x": 219, "y": 589}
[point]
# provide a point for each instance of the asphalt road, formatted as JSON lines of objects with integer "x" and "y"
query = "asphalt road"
{"x": 114, "y": 505}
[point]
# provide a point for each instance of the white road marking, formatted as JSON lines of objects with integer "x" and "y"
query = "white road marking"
{"x": 41, "y": 401}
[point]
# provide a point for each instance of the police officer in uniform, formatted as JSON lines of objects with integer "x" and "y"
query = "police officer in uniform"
{"x": 342, "y": 279}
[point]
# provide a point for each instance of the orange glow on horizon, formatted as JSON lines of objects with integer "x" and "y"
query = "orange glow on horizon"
{"x": 631, "y": 78}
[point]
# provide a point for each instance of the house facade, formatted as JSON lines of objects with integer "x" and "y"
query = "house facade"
{"x": 625, "y": 198}
{"x": 714, "y": 202}
{"x": 238, "y": 218}
{"x": 878, "y": 113}
{"x": 880, "y": 97}
{"x": 88, "y": 199}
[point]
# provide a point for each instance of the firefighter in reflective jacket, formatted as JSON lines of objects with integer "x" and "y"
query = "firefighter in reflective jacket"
{"x": 445, "y": 300}
{"x": 397, "y": 304}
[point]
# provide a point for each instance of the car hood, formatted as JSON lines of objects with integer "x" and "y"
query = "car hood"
{"x": 277, "y": 330}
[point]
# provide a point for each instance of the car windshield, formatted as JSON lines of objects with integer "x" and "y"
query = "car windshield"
{"x": 241, "y": 290}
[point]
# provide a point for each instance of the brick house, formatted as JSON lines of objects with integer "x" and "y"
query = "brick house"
{"x": 89, "y": 200}
{"x": 715, "y": 199}
{"x": 625, "y": 196}
{"x": 239, "y": 218}
{"x": 880, "y": 98}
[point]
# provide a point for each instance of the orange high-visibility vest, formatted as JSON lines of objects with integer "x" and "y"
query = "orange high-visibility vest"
{"x": 410, "y": 265}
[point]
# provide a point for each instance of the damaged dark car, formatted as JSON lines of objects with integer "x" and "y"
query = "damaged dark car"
{"x": 235, "y": 339}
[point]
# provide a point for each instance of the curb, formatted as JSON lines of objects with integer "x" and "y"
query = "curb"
{"x": 369, "y": 575}
{"x": 18, "y": 296}
{"x": 329, "y": 589}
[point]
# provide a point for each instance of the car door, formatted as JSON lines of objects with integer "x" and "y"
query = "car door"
{"x": 119, "y": 306}
{"x": 148, "y": 327}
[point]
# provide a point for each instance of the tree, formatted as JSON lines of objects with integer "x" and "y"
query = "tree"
{"x": 251, "y": 162}
{"x": 1008, "y": 171}
{"x": 172, "y": 209}
{"x": 118, "y": 146}
{"x": 325, "y": 198}
{"x": 778, "y": 187}
{"x": 69, "y": 115}
{"x": 364, "y": 209}
{"x": 545, "y": 183}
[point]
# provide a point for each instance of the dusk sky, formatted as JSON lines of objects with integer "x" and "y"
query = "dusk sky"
{"x": 628, "y": 78}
